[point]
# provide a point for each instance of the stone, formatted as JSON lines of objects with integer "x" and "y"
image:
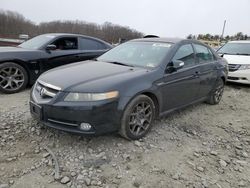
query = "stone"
{"x": 137, "y": 183}
{"x": 80, "y": 177}
{"x": 175, "y": 176}
{"x": 244, "y": 154}
{"x": 45, "y": 155}
{"x": 222, "y": 163}
{"x": 239, "y": 147}
{"x": 201, "y": 169}
{"x": 87, "y": 181}
{"x": 65, "y": 180}
{"x": 214, "y": 153}
{"x": 73, "y": 174}
{"x": 137, "y": 143}
{"x": 100, "y": 155}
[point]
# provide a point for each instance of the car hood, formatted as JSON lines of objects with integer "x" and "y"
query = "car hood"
{"x": 237, "y": 59}
{"x": 9, "y": 53}
{"x": 90, "y": 76}
{"x": 13, "y": 49}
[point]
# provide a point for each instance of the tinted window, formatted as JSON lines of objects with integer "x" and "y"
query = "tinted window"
{"x": 203, "y": 53}
{"x": 235, "y": 48}
{"x": 89, "y": 44}
{"x": 186, "y": 54}
{"x": 68, "y": 43}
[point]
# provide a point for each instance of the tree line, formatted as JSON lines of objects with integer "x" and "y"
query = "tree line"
{"x": 12, "y": 24}
{"x": 209, "y": 37}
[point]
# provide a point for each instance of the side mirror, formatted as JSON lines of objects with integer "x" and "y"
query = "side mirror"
{"x": 174, "y": 66}
{"x": 51, "y": 47}
{"x": 221, "y": 55}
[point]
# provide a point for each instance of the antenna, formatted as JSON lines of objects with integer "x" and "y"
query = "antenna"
{"x": 224, "y": 25}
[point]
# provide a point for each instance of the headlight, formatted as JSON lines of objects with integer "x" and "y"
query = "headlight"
{"x": 244, "y": 67}
{"x": 91, "y": 96}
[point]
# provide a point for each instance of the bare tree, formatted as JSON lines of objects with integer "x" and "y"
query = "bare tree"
{"x": 12, "y": 24}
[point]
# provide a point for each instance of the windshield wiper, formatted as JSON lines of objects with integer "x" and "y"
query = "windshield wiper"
{"x": 119, "y": 63}
{"x": 241, "y": 54}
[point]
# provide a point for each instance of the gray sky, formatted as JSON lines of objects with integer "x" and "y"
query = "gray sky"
{"x": 172, "y": 18}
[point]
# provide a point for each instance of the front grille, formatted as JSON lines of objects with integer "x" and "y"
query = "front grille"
{"x": 233, "y": 67}
{"x": 232, "y": 78}
{"x": 44, "y": 92}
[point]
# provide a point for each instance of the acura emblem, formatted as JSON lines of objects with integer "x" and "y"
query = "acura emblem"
{"x": 42, "y": 91}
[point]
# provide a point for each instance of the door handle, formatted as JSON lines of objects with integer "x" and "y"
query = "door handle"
{"x": 197, "y": 74}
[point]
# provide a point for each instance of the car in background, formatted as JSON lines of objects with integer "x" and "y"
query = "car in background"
{"x": 237, "y": 53}
{"x": 22, "y": 65}
{"x": 124, "y": 89}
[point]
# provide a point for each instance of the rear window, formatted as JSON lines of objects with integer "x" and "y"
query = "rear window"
{"x": 89, "y": 44}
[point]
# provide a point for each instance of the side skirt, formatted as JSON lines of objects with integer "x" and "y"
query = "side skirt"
{"x": 183, "y": 106}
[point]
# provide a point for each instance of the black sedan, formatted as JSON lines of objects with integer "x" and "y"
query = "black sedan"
{"x": 23, "y": 64}
{"x": 126, "y": 88}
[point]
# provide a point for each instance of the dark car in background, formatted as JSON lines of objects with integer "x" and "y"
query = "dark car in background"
{"x": 23, "y": 64}
{"x": 126, "y": 88}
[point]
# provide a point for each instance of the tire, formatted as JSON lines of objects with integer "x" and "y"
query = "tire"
{"x": 216, "y": 94}
{"x": 13, "y": 78}
{"x": 137, "y": 118}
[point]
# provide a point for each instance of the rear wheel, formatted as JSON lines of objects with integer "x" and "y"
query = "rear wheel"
{"x": 216, "y": 95}
{"x": 13, "y": 78}
{"x": 137, "y": 118}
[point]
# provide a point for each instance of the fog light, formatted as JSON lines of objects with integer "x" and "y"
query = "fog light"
{"x": 85, "y": 126}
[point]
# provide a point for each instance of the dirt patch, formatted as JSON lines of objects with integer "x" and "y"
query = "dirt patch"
{"x": 199, "y": 146}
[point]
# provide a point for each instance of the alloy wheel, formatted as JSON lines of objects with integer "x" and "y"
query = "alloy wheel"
{"x": 218, "y": 93}
{"x": 140, "y": 118}
{"x": 11, "y": 78}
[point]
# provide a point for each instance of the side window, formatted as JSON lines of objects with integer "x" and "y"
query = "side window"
{"x": 186, "y": 54}
{"x": 203, "y": 54}
{"x": 89, "y": 44}
{"x": 67, "y": 43}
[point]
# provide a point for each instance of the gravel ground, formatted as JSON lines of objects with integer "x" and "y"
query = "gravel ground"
{"x": 200, "y": 146}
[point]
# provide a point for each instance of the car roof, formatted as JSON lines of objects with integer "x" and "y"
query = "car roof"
{"x": 240, "y": 41}
{"x": 64, "y": 34}
{"x": 77, "y": 35}
{"x": 167, "y": 40}
{"x": 160, "y": 39}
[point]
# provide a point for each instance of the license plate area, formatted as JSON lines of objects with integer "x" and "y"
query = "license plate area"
{"x": 36, "y": 110}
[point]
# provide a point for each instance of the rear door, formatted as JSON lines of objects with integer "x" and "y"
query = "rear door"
{"x": 180, "y": 88}
{"x": 90, "y": 48}
{"x": 207, "y": 69}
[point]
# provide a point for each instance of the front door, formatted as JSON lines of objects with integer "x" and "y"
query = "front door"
{"x": 67, "y": 51}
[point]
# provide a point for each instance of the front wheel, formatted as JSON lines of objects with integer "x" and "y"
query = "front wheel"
{"x": 216, "y": 94}
{"x": 137, "y": 118}
{"x": 13, "y": 78}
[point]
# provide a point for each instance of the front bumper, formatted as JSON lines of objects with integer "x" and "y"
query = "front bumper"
{"x": 103, "y": 116}
{"x": 239, "y": 76}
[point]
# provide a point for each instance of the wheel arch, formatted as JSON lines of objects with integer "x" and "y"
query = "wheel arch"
{"x": 154, "y": 98}
{"x": 149, "y": 94}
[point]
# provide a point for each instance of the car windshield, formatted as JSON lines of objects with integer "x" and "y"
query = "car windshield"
{"x": 36, "y": 42}
{"x": 235, "y": 49}
{"x": 142, "y": 54}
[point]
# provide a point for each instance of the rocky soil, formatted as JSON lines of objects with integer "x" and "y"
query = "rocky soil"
{"x": 200, "y": 146}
